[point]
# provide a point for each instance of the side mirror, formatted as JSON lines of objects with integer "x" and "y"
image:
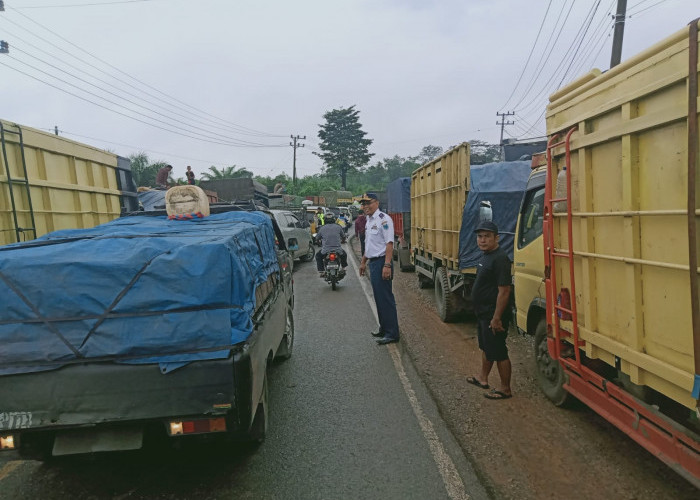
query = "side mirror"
{"x": 290, "y": 224}
{"x": 292, "y": 244}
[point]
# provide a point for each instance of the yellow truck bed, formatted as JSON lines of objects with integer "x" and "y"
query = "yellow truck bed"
{"x": 438, "y": 194}
{"x": 71, "y": 185}
{"x": 636, "y": 276}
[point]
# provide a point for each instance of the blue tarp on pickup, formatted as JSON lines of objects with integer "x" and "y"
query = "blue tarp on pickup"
{"x": 398, "y": 193}
{"x": 503, "y": 184}
{"x": 136, "y": 289}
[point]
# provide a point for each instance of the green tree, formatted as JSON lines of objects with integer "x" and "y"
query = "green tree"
{"x": 481, "y": 152}
{"x": 428, "y": 153}
{"x": 343, "y": 145}
{"x": 144, "y": 172}
{"x": 232, "y": 172}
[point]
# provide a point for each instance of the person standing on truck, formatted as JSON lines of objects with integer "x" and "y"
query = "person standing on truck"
{"x": 162, "y": 176}
{"x": 190, "y": 176}
{"x": 490, "y": 294}
{"x": 331, "y": 236}
{"x": 360, "y": 222}
{"x": 379, "y": 250}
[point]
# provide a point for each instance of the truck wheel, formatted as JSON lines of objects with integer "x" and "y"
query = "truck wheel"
{"x": 424, "y": 282}
{"x": 284, "y": 351}
{"x": 403, "y": 265}
{"x": 445, "y": 300}
{"x": 259, "y": 427}
{"x": 550, "y": 373}
{"x": 309, "y": 255}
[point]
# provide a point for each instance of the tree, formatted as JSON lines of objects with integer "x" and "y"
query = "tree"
{"x": 482, "y": 152}
{"x": 343, "y": 145}
{"x": 144, "y": 172}
{"x": 226, "y": 173}
{"x": 428, "y": 153}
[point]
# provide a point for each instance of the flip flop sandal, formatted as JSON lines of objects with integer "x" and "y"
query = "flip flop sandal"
{"x": 497, "y": 395}
{"x": 475, "y": 381}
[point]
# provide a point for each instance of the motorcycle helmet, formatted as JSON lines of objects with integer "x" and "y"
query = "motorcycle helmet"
{"x": 330, "y": 218}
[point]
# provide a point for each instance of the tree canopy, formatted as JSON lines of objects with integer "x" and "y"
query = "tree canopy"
{"x": 343, "y": 145}
{"x": 232, "y": 172}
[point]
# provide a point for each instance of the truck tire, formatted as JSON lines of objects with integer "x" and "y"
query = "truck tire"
{"x": 424, "y": 282}
{"x": 284, "y": 351}
{"x": 403, "y": 265}
{"x": 309, "y": 255}
{"x": 550, "y": 373}
{"x": 259, "y": 427}
{"x": 445, "y": 300}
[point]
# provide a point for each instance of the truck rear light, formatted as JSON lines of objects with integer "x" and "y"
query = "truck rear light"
{"x": 7, "y": 442}
{"x": 198, "y": 426}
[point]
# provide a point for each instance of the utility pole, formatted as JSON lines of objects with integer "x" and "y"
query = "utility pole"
{"x": 619, "y": 32}
{"x": 295, "y": 146}
{"x": 503, "y": 123}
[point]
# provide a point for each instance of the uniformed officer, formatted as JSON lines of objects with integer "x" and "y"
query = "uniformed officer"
{"x": 379, "y": 250}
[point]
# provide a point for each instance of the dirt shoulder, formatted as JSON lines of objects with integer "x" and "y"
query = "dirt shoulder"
{"x": 524, "y": 447}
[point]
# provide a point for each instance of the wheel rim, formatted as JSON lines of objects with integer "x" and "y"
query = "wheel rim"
{"x": 310, "y": 254}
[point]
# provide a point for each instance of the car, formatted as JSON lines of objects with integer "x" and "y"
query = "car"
{"x": 292, "y": 227}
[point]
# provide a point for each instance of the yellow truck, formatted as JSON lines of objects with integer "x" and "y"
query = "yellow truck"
{"x": 611, "y": 223}
{"x": 448, "y": 198}
{"x": 49, "y": 183}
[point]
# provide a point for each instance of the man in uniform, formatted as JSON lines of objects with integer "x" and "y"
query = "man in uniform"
{"x": 490, "y": 294}
{"x": 379, "y": 251}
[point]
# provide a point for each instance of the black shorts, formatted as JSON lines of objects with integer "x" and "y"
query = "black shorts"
{"x": 493, "y": 344}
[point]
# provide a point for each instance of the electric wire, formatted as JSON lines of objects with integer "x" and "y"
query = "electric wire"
{"x": 241, "y": 129}
{"x": 540, "y": 63}
{"x": 207, "y": 123}
{"x": 80, "y": 4}
{"x": 121, "y": 113}
{"x": 532, "y": 50}
{"x": 242, "y": 142}
{"x": 636, "y": 13}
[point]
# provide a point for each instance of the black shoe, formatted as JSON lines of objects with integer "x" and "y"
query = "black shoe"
{"x": 387, "y": 340}
{"x": 377, "y": 334}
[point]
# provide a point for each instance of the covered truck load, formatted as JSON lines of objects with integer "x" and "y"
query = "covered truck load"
{"x": 501, "y": 185}
{"x": 135, "y": 290}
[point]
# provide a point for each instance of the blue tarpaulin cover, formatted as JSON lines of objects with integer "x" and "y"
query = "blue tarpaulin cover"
{"x": 137, "y": 290}
{"x": 398, "y": 193}
{"x": 503, "y": 184}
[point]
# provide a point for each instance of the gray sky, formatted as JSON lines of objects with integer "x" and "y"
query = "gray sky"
{"x": 227, "y": 71}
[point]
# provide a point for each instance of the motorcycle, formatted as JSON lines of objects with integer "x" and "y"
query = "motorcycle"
{"x": 334, "y": 272}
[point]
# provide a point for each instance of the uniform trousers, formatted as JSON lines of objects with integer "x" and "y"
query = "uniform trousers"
{"x": 384, "y": 298}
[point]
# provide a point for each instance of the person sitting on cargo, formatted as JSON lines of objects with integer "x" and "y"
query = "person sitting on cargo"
{"x": 331, "y": 236}
{"x": 162, "y": 177}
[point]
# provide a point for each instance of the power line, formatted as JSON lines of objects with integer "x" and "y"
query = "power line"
{"x": 81, "y": 4}
{"x": 123, "y": 114}
{"x": 241, "y": 129}
{"x": 529, "y": 55}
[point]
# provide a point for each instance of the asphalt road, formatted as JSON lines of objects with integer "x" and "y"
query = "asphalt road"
{"x": 349, "y": 419}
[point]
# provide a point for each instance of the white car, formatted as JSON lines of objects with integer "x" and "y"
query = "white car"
{"x": 292, "y": 227}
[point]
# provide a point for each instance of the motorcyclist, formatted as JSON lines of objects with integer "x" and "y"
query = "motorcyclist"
{"x": 331, "y": 236}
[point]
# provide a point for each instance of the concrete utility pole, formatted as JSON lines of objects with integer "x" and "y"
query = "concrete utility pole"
{"x": 295, "y": 146}
{"x": 619, "y": 33}
{"x": 503, "y": 123}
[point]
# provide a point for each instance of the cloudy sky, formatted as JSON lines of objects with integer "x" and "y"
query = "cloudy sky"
{"x": 223, "y": 82}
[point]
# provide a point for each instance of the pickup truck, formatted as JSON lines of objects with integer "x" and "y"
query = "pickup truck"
{"x": 141, "y": 326}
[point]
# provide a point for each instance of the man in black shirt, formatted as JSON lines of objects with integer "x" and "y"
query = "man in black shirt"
{"x": 490, "y": 295}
